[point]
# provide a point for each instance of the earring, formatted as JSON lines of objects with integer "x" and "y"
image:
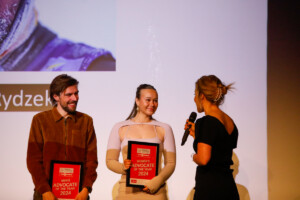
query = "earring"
{"x": 137, "y": 109}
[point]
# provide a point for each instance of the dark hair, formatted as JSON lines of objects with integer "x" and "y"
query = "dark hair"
{"x": 137, "y": 96}
{"x": 59, "y": 84}
{"x": 212, "y": 88}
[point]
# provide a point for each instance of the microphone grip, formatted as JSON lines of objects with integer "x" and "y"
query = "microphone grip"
{"x": 185, "y": 135}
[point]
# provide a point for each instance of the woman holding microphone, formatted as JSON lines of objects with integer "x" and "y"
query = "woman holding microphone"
{"x": 215, "y": 136}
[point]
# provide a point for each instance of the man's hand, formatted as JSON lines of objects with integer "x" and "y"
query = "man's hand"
{"x": 48, "y": 196}
{"x": 83, "y": 195}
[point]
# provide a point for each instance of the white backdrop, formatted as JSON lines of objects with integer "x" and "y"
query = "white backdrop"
{"x": 169, "y": 44}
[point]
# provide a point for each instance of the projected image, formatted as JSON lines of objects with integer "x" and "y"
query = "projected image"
{"x": 27, "y": 45}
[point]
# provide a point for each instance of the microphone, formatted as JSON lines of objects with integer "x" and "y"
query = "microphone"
{"x": 192, "y": 118}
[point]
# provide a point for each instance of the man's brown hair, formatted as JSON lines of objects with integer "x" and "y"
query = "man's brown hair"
{"x": 59, "y": 84}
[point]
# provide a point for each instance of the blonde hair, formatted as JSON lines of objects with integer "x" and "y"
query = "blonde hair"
{"x": 212, "y": 88}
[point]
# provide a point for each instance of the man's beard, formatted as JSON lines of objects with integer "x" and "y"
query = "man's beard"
{"x": 65, "y": 108}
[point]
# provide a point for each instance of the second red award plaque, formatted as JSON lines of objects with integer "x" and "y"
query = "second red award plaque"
{"x": 144, "y": 158}
{"x": 65, "y": 179}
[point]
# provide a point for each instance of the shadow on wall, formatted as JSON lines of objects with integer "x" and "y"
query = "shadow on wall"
{"x": 243, "y": 191}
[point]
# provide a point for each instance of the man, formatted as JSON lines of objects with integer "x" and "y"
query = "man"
{"x": 62, "y": 134}
{"x": 26, "y": 45}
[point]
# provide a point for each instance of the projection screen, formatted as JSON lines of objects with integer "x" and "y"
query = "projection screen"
{"x": 169, "y": 44}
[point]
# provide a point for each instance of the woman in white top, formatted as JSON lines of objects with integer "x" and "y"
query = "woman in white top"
{"x": 140, "y": 126}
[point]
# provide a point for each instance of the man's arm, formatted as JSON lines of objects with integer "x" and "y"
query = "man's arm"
{"x": 91, "y": 162}
{"x": 35, "y": 157}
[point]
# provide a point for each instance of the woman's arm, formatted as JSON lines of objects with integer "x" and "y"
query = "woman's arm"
{"x": 202, "y": 157}
{"x": 170, "y": 163}
{"x": 169, "y": 154}
{"x": 112, "y": 161}
{"x": 205, "y": 132}
{"x": 113, "y": 151}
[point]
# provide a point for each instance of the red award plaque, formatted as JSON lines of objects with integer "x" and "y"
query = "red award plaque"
{"x": 144, "y": 158}
{"x": 65, "y": 179}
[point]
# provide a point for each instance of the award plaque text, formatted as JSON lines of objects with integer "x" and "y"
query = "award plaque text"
{"x": 65, "y": 179}
{"x": 144, "y": 158}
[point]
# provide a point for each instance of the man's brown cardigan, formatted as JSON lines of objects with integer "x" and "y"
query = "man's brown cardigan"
{"x": 53, "y": 137}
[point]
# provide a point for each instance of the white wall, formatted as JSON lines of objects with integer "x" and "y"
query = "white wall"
{"x": 169, "y": 44}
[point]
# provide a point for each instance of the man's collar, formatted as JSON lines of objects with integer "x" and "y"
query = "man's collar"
{"x": 58, "y": 117}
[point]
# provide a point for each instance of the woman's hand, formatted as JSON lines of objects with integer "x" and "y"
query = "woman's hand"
{"x": 191, "y": 126}
{"x": 127, "y": 164}
{"x": 146, "y": 189}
